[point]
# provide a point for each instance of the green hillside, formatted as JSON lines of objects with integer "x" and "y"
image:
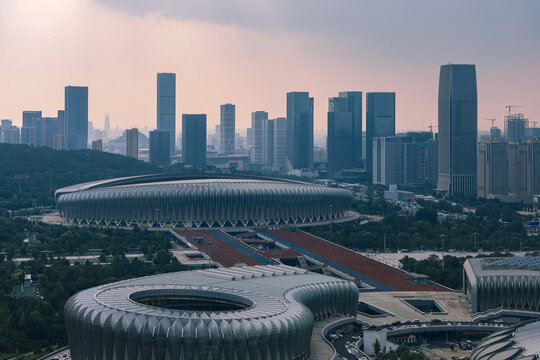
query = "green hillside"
{"x": 29, "y": 175}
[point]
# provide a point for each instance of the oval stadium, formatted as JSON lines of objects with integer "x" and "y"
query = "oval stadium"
{"x": 200, "y": 201}
{"x": 260, "y": 312}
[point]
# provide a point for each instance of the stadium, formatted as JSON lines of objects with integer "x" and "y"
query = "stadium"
{"x": 201, "y": 201}
{"x": 511, "y": 283}
{"x": 519, "y": 342}
{"x": 264, "y": 312}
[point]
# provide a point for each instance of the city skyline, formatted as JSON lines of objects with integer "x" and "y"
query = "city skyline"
{"x": 120, "y": 66}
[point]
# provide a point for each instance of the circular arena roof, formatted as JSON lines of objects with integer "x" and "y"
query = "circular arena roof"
{"x": 195, "y": 201}
{"x": 519, "y": 342}
{"x": 245, "y": 312}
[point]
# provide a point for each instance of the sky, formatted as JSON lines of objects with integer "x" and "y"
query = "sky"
{"x": 251, "y": 52}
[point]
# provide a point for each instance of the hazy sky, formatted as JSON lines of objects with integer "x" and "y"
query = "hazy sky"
{"x": 251, "y": 52}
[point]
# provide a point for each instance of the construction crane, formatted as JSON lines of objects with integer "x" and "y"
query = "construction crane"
{"x": 431, "y": 126}
{"x": 492, "y": 121}
{"x": 510, "y": 107}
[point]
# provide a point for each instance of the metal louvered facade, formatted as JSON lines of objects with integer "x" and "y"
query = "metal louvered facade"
{"x": 490, "y": 287}
{"x": 196, "y": 202}
{"x": 281, "y": 304}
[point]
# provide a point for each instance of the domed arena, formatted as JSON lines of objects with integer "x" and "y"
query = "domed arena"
{"x": 259, "y": 312}
{"x": 200, "y": 201}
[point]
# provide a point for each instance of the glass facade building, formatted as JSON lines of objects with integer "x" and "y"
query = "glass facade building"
{"x": 194, "y": 139}
{"x": 76, "y": 118}
{"x": 458, "y": 127}
{"x": 227, "y": 129}
{"x": 166, "y": 106}
{"x": 300, "y": 130}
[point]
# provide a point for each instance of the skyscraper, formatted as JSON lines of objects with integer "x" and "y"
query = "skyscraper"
{"x": 9, "y": 134}
{"x": 132, "y": 142}
{"x": 76, "y": 117}
{"x": 300, "y": 130}
{"x": 457, "y": 130}
{"x": 268, "y": 141}
{"x": 227, "y": 129}
{"x": 380, "y": 120}
{"x": 344, "y": 140}
{"x": 280, "y": 144}
{"x": 159, "y": 148}
{"x": 257, "y": 124}
{"x": 166, "y": 106}
{"x": 194, "y": 139}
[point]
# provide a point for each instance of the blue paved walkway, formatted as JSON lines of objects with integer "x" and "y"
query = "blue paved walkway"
{"x": 243, "y": 249}
{"x": 343, "y": 269}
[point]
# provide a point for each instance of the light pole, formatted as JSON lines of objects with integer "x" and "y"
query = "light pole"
{"x": 209, "y": 253}
{"x": 442, "y": 251}
{"x": 330, "y": 207}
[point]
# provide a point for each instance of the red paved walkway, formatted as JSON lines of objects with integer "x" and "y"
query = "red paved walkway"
{"x": 220, "y": 251}
{"x": 375, "y": 270}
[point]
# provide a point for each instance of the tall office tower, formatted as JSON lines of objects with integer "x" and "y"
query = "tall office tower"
{"x": 344, "y": 139}
{"x": 107, "y": 128}
{"x": 132, "y": 142}
{"x": 516, "y": 127}
{"x": 389, "y": 159}
{"x": 353, "y": 104}
{"x": 457, "y": 130}
{"x": 249, "y": 137}
{"x": 257, "y": 123}
{"x": 227, "y": 129}
{"x": 160, "y": 153}
{"x": 280, "y": 144}
{"x": 97, "y": 145}
{"x": 166, "y": 106}
{"x": 9, "y": 134}
{"x": 268, "y": 142}
{"x": 194, "y": 139}
{"x": 29, "y": 135}
{"x": 76, "y": 117}
{"x": 380, "y": 120}
{"x": 60, "y": 124}
{"x": 492, "y": 169}
{"x": 300, "y": 130}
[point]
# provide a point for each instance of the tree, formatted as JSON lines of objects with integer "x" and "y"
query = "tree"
{"x": 377, "y": 349}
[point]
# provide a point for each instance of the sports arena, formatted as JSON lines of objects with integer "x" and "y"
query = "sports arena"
{"x": 201, "y": 201}
{"x": 259, "y": 312}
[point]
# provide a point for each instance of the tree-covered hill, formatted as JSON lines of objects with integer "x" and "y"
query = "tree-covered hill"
{"x": 29, "y": 175}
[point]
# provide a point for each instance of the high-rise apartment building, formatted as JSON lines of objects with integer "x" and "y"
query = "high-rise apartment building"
{"x": 516, "y": 128}
{"x": 420, "y": 162}
{"x": 509, "y": 171}
{"x": 258, "y": 118}
{"x": 380, "y": 121}
{"x": 132, "y": 142}
{"x": 76, "y": 117}
{"x": 160, "y": 153}
{"x": 344, "y": 140}
{"x": 300, "y": 130}
{"x": 280, "y": 144}
{"x": 166, "y": 106}
{"x": 457, "y": 130}
{"x": 227, "y": 129}
{"x": 194, "y": 139}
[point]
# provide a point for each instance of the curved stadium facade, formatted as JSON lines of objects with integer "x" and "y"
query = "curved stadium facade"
{"x": 195, "y": 201}
{"x": 260, "y": 312}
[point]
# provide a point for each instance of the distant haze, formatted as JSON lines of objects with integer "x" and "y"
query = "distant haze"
{"x": 251, "y": 52}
